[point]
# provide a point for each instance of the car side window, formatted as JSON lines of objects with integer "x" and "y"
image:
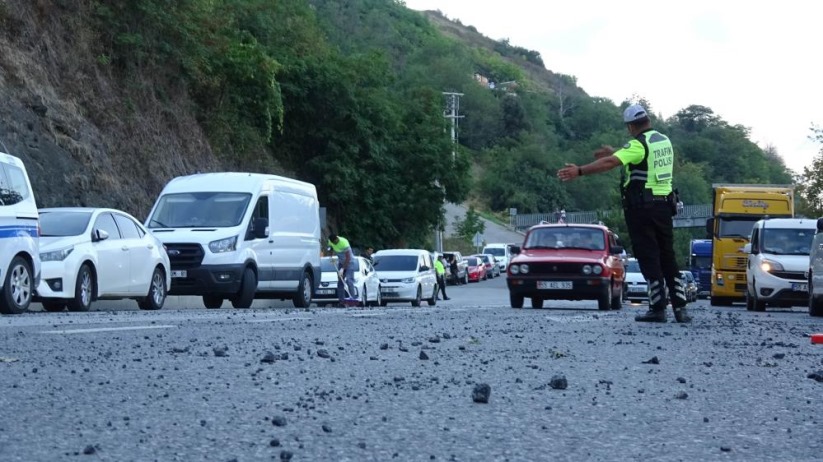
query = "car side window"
{"x": 127, "y": 227}
{"x": 106, "y": 223}
{"x": 13, "y": 187}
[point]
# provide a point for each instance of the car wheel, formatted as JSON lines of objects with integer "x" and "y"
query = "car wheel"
{"x": 54, "y": 307}
{"x": 757, "y": 304}
{"x": 418, "y": 298}
{"x": 157, "y": 292}
{"x": 83, "y": 290}
{"x": 364, "y": 302}
{"x": 212, "y": 301}
{"x": 605, "y": 300}
{"x": 302, "y": 298}
{"x": 433, "y": 300}
{"x": 516, "y": 300}
{"x": 617, "y": 301}
{"x": 537, "y": 303}
{"x": 17, "y": 288}
{"x": 379, "y": 299}
{"x": 466, "y": 278}
{"x": 384, "y": 303}
{"x": 248, "y": 287}
{"x": 815, "y": 302}
{"x": 749, "y": 300}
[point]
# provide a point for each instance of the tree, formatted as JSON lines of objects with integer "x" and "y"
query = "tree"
{"x": 811, "y": 180}
{"x": 470, "y": 225}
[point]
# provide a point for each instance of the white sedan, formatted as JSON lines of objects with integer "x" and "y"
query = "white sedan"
{"x": 90, "y": 254}
{"x": 366, "y": 283}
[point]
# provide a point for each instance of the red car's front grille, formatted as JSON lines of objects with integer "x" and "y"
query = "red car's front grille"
{"x": 555, "y": 268}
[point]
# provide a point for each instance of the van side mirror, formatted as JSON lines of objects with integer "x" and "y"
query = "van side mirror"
{"x": 424, "y": 268}
{"x": 99, "y": 235}
{"x": 616, "y": 250}
{"x": 747, "y": 248}
{"x": 260, "y": 228}
{"x": 515, "y": 249}
{"x": 710, "y": 227}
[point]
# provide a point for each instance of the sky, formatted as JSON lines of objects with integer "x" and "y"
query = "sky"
{"x": 754, "y": 64}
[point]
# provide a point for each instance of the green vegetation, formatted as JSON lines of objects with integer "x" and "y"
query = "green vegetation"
{"x": 348, "y": 95}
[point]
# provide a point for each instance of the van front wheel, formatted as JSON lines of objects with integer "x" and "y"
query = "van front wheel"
{"x": 302, "y": 299}
{"x": 248, "y": 287}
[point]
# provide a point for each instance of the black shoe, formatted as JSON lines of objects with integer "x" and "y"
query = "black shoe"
{"x": 447, "y": 298}
{"x": 682, "y": 315}
{"x": 652, "y": 316}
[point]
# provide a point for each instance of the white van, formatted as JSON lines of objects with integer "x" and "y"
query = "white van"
{"x": 778, "y": 261}
{"x": 406, "y": 275}
{"x": 240, "y": 236}
{"x": 19, "y": 237}
{"x": 502, "y": 253}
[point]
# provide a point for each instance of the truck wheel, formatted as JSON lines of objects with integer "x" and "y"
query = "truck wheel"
{"x": 212, "y": 302}
{"x": 248, "y": 287}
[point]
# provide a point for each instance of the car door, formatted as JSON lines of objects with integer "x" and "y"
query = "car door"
{"x": 141, "y": 254}
{"x": 113, "y": 265}
{"x": 262, "y": 246}
{"x": 427, "y": 272}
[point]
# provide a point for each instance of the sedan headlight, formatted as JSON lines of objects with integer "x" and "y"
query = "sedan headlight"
{"x": 56, "y": 255}
{"x": 597, "y": 269}
{"x": 515, "y": 269}
{"x": 408, "y": 281}
{"x": 770, "y": 265}
{"x": 524, "y": 269}
{"x": 224, "y": 245}
{"x": 587, "y": 269}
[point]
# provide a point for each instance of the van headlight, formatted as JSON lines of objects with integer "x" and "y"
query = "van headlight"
{"x": 224, "y": 245}
{"x": 770, "y": 265}
{"x": 56, "y": 255}
{"x": 408, "y": 281}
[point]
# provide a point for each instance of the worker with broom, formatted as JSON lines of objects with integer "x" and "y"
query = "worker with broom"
{"x": 345, "y": 269}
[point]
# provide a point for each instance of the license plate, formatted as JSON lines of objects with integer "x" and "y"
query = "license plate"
{"x": 800, "y": 286}
{"x": 388, "y": 292}
{"x": 562, "y": 285}
{"x": 326, "y": 291}
{"x": 637, "y": 289}
{"x": 179, "y": 273}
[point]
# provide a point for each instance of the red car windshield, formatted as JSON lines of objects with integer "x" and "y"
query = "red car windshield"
{"x": 566, "y": 238}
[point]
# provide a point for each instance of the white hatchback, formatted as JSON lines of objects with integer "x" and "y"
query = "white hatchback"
{"x": 636, "y": 288}
{"x": 92, "y": 254}
{"x": 406, "y": 275}
{"x": 366, "y": 283}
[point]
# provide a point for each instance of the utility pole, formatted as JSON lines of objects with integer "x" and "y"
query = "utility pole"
{"x": 452, "y": 113}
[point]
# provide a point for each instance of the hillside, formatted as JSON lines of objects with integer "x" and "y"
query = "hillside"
{"x": 106, "y": 101}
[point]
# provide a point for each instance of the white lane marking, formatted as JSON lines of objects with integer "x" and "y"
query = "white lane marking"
{"x": 279, "y": 319}
{"x": 367, "y": 315}
{"x": 105, "y": 329}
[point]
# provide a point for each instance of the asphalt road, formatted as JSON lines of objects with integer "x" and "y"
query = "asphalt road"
{"x": 190, "y": 384}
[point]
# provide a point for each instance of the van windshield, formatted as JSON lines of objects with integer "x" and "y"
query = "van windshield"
{"x": 395, "y": 262}
{"x": 496, "y": 251}
{"x": 787, "y": 241}
{"x": 200, "y": 210}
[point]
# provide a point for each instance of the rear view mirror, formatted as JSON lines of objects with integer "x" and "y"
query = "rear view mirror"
{"x": 710, "y": 227}
{"x": 747, "y": 248}
{"x": 616, "y": 250}
{"x": 424, "y": 268}
{"x": 99, "y": 235}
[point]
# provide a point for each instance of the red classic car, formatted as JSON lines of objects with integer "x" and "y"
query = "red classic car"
{"x": 567, "y": 262}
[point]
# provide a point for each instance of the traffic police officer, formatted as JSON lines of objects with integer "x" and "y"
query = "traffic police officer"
{"x": 648, "y": 205}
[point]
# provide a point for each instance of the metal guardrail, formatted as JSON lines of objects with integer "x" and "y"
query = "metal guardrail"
{"x": 691, "y": 216}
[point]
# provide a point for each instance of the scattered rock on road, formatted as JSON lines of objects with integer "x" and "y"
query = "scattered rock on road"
{"x": 559, "y": 382}
{"x": 481, "y": 393}
{"x": 654, "y": 360}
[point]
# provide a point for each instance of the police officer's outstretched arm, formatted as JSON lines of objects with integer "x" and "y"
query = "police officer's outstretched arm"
{"x": 602, "y": 164}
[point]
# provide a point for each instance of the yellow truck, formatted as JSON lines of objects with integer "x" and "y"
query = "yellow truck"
{"x": 736, "y": 207}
